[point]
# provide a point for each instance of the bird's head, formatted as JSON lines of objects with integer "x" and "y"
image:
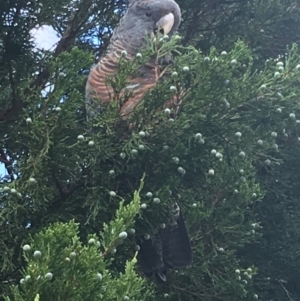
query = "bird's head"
{"x": 147, "y": 17}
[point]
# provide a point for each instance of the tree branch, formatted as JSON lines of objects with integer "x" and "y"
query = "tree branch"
{"x": 65, "y": 44}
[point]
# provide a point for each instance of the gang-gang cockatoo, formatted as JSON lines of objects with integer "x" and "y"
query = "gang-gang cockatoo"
{"x": 170, "y": 247}
{"x": 143, "y": 18}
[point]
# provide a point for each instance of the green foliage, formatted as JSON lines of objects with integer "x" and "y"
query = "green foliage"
{"x": 229, "y": 157}
{"x": 59, "y": 266}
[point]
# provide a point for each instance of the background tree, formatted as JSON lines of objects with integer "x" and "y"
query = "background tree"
{"x": 229, "y": 158}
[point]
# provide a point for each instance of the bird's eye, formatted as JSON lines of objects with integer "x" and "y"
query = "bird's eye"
{"x": 148, "y": 14}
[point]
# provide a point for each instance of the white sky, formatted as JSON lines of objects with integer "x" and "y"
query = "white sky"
{"x": 2, "y": 170}
{"x": 45, "y": 37}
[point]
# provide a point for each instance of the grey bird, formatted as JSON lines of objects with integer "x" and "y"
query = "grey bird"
{"x": 143, "y": 18}
{"x": 170, "y": 247}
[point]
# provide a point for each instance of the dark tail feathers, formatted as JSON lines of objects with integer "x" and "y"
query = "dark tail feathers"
{"x": 169, "y": 249}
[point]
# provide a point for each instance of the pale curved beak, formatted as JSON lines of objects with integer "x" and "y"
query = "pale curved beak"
{"x": 165, "y": 23}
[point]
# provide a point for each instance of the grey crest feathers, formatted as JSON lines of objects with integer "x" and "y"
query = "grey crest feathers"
{"x": 141, "y": 18}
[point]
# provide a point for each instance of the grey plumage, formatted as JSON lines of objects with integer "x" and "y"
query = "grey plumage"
{"x": 143, "y": 18}
{"x": 170, "y": 247}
